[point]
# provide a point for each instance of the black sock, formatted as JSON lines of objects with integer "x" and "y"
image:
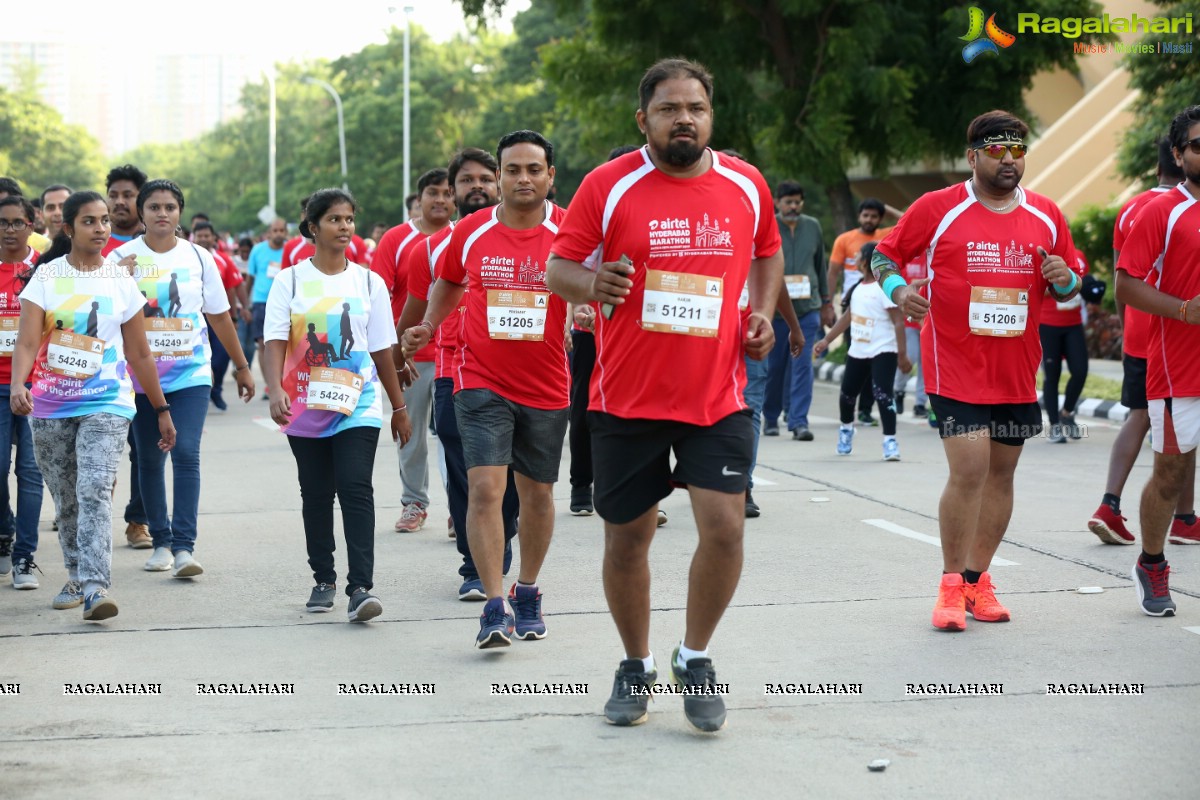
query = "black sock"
{"x": 971, "y": 576}
{"x": 1187, "y": 519}
{"x": 1146, "y": 558}
{"x": 1112, "y": 501}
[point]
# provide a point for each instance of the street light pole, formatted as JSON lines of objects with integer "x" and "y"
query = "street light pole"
{"x": 337, "y": 101}
{"x": 270, "y": 73}
{"x": 407, "y": 116}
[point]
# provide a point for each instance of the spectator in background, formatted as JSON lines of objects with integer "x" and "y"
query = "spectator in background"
{"x": 10, "y": 188}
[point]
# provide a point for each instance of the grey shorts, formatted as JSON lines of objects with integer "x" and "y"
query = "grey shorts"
{"x": 497, "y": 433}
{"x": 258, "y": 319}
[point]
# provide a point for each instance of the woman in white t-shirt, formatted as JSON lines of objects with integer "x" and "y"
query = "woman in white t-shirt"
{"x": 81, "y": 335}
{"x": 186, "y": 303}
{"x": 877, "y": 347}
{"x": 329, "y": 334}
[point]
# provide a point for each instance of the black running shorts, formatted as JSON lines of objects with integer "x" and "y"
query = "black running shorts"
{"x": 1006, "y": 423}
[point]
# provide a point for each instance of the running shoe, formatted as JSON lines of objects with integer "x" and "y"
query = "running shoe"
{"x": 160, "y": 561}
{"x": 321, "y": 598}
{"x": 453, "y": 534}
{"x": 412, "y": 519}
{"x": 137, "y": 535}
{"x": 801, "y": 433}
{"x": 752, "y": 509}
{"x": 891, "y": 450}
{"x": 1154, "y": 595}
{"x": 662, "y": 518}
{"x": 1070, "y": 427}
{"x": 845, "y": 441}
{"x": 932, "y": 419}
{"x": 1110, "y": 526}
{"x": 1056, "y": 435}
{"x": 919, "y": 410}
{"x": 218, "y": 400}
{"x": 6, "y": 563}
{"x": 186, "y": 566}
{"x": 981, "y": 603}
{"x": 950, "y": 613}
{"x": 702, "y": 705}
{"x": 768, "y": 430}
{"x": 632, "y": 692}
{"x": 581, "y": 501}
{"x": 899, "y": 402}
{"x": 471, "y": 589}
{"x": 865, "y": 418}
{"x": 526, "y": 603}
{"x": 1182, "y": 533}
{"x": 496, "y": 625}
{"x": 363, "y": 606}
{"x": 70, "y": 596}
{"x": 98, "y": 605}
{"x": 23, "y": 577}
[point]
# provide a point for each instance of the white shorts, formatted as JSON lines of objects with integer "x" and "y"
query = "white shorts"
{"x": 1175, "y": 424}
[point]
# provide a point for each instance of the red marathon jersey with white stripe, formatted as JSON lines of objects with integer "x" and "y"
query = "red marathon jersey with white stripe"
{"x": 980, "y": 342}
{"x": 1163, "y": 248}
{"x": 390, "y": 261}
{"x": 1136, "y": 323}
{"x": 513, "y": 327}
{"x": 298, "y": 248}
{"x": 675, "y": 348}
{"x": 421, "y": 271}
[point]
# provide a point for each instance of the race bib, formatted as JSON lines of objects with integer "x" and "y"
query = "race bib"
{"x": 998, "y": 312}
{"x": 861, "y": 328}
{"x": 334, "y": 390}
{"x": 799, "y": 287}
{"x": 1072, "y": 304}
{"x": 514, "y": 314}
{"x": 74, "y": 355}
{"x": 8, "y": 336}
{"x": 169, "y": 338}
{"x": 680, "y": 302}
{"x": 272, "y": 269}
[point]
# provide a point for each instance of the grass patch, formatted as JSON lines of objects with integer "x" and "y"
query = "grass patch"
{"x": 1096, "y": 386}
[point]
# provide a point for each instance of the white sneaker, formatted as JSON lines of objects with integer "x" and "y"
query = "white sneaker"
{"x": 161, "y": 561}
{"x": 186, "y": 566}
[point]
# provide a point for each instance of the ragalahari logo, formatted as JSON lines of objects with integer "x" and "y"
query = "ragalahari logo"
{"x": 984, "y": 38}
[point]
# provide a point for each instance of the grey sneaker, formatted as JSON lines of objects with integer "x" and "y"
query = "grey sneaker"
{"x": 186, "y": 566}
{"x": 23, "y": 577}
{"x": 702, "y": 705}
{"x": 6, "y": 564}
{"x": 1154, "y": 595}
{"x": 802, "y": 434}
{"x": 363, "y": 606}
{"x": 321, "y": 599}
{"x": 631, "y": 694}
{"x": 1057, "y": 436}
{"x": 161, "y": 561}
{"x": 70, "y": 596}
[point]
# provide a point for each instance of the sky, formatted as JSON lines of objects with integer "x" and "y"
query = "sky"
{"x": 280, "y": 32}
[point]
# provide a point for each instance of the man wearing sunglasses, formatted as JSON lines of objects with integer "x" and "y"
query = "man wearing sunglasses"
{"x": 993, "y": 251}
{"x": 1159, "y": 273}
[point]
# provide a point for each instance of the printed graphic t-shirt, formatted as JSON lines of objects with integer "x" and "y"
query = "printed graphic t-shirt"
{"x": 330, "y": 322}
{"x": 180, "y": 287}
{"x": 82, "y": 337}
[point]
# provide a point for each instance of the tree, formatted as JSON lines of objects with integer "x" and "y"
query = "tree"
{"x": 808, "y": 88}
{"x": 39, "y": 149}
{"x": 1166, "y": 85}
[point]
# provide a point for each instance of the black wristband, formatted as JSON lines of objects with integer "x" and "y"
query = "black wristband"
{"x": 164, "y": 408}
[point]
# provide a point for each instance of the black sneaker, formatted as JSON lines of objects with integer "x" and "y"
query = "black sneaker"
{"x": 752, "y": 509}
{"x": 703, "y": 707}
{"x": 321, "y": 599}
{"x": 631, "y": 694}
{"x": 581, "y": 501}
{"x": 770, "y": 430}
{"x": 919, "y": 410}
{"x": 899, "y": 402}
{"x": 802, "y": 434}
{"x": 218, "y": 401}
{"x": 865, "y": 418}
{"x": 363, "y": 606}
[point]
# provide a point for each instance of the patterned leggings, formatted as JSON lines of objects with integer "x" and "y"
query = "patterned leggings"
{"x": 79, "y": 457}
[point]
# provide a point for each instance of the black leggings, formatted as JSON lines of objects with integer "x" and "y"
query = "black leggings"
{"x": 879, "y": 373}
{"x": 583, "y": 359}
{"x": 1059, "y": 341}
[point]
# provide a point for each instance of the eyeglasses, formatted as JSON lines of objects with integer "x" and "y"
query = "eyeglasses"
{"x": 1193, "y": 145}
{"x": 997, "y": 151}
{"x": 13, "y": 224}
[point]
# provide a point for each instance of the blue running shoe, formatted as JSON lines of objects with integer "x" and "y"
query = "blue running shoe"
{"x": 891, "y": 450}
{"x": 471, "y": 589}
{"x": 845, "y": 441}
{"x": 526, "y": 602}
{"x": 496, "y": 625}
{"x": 98, "y": 605}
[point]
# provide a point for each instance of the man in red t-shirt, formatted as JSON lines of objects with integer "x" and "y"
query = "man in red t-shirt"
{"x": 993, "y": 251}
{"x": 663, "y": 240}
{"x": 1107, "y": 521}
{"x": 1159, "y": 273}
{"x": 205, "y": 235}
{"x": 511, "y": 379}
{"x": 390, "y": 262}
{"x": 123, "y": 184}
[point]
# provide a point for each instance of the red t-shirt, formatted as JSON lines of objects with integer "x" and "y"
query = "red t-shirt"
{"x": 674, "y": 349}
{"x": 231, "y": 276}
{"x": 1136, "y": 323}
{"x": 114, "y": 242}
{"x": 10, "y": 310}
{"x": 422, "y": 265}
{"x": 390, "y": 262}
{"x": 1065, "y": 315}
{"x": 972, "y": 253}
{"x": 512, "y": 329}
{"x": 1163, "y": 248}
{"x": 298, "y": 248}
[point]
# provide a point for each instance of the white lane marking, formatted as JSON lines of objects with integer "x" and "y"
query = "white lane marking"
{"x": 266, "y": 422}
{"x": 763, "y": 482}
{"x": 892, "y": 527}
{"x": 1193, "y": 630}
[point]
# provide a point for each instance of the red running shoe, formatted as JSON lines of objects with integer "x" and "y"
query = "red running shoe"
{"x": 950, "y": 613}
{"x": 1182, "y": 533}
{"x": 1110, "y": 526}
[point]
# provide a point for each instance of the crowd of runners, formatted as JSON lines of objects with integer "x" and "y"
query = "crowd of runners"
{"x": 667, "y": 318}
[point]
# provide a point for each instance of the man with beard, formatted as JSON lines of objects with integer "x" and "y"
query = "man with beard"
{"x": 390, "y": 262}
{"x": 123, "y": 184}
{"x": 1159, "y": 273}
{"x": 512, "y": 385}
{"x": 663, "y": 240}
{"x": 472, "y": 174}
{"x": 994, "y": 249}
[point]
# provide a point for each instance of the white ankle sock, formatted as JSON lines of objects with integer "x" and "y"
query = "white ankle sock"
{"x": 686, "y": 655}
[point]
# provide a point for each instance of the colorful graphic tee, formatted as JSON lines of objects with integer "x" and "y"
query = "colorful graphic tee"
{"x": 80, "y": 367}
{"x": 180, "y": 287}
{"x": 332, "y": 324}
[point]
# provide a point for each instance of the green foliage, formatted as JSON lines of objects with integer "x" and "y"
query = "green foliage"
{"x": 39, "y": 149}
{"x": 1166, "y": 85}
{"x": 1092, "y": 232}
